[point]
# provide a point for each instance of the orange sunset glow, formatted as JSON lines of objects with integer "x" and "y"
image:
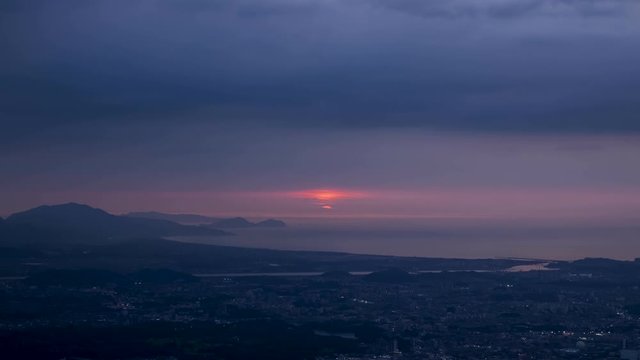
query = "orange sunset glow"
{"x": 325, "y": 198}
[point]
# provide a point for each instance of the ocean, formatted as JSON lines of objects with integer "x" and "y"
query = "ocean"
{"x": 449, "y": 238}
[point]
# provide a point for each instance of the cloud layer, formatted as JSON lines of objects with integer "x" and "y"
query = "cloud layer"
{"x": 469, "y": 65}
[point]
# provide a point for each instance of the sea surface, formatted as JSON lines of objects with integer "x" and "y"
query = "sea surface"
{"x": 450, "y": 238}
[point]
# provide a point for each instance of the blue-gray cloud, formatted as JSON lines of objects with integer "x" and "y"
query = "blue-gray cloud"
{"x": 508, "y": 9}
{"x": 497, "y": 65}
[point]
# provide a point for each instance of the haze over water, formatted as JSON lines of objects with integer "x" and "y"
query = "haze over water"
{"x": 452, "y": 238}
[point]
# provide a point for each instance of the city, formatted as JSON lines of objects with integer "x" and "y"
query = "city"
{"x": 581, "y": 310}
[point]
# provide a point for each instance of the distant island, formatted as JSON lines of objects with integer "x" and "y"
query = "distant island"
{"x": 238, "y": 222}
{"x": 209, "y": 222}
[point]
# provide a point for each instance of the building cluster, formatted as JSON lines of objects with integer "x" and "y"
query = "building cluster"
{"x": 462, "y": 315}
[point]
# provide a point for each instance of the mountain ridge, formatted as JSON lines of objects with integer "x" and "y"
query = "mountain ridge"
{"x": 240, "y": 222}
{"x": 193, "y": 219}
{"x": 82, "y": 223}
{"x": 208, "y": 221}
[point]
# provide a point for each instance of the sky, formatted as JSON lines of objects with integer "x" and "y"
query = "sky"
{"x": 476, "y": 109}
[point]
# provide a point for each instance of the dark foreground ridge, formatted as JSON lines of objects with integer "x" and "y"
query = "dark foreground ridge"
{"x": 91, "y": 312}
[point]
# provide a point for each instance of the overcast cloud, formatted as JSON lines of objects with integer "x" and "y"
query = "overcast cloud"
{"x": 497, "y": 65}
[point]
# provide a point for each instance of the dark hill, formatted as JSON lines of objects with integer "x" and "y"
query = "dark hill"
{"x": 81, "y": 222}
{"x": 390, "y": 276}
{"x": 242, "y": 223}
{"x": 271, "y": 223}
{"x": 337, "y": 274}
{"x": 236, "y": 222}
{"x": 18, "y": 253}
{"x": 209, "y": 222}
{"x": 83, "y": 278}
{"x": 76, "y": 278}
{"x": 161, "y": 276}
{"x": 191, "y": 219}
{"x": 601, "y": 265}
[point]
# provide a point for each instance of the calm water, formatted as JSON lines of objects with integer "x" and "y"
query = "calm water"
{"x": 518, "y": 268}
{"x": 444, "y": 238}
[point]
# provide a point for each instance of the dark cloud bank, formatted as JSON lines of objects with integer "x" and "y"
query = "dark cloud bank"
{"x": 499, "y": 65}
